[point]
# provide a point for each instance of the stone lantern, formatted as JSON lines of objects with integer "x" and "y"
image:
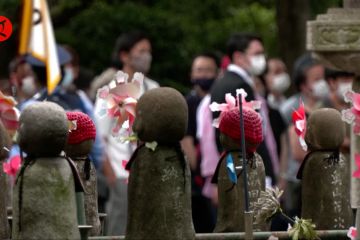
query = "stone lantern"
{"x": 334, "y": 39}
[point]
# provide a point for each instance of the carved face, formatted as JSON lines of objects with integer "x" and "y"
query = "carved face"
{"x": 161, "y": 115}
{"x": 43, "y": 129}
{"x": 325, "y": 130}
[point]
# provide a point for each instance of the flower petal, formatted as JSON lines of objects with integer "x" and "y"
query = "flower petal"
{"x": 352, "y": 233}
{"x": 347, "y": 116}
{"x": 356, "y": 101}
{"x": 242, "y": 92}
{"x": 348, "y": 96}
{"x": 121, "y": 77}
{"x": 230, "y": 100}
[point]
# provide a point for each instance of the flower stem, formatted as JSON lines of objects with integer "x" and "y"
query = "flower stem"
{"x": 290, "y": 220}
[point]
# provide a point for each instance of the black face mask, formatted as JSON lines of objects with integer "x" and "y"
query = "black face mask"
{"x": 204, "y": 83}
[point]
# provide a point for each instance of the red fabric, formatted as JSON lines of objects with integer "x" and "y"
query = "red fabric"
{"x": 85, "y": 128}
{"x": 230, "y": 126}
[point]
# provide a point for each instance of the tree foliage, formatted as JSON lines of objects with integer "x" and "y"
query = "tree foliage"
{"x": 178, "y": 29}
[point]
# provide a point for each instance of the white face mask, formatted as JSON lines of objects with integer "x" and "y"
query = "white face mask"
{"x": 257, "y": 64}
{"x": 342, "y": 89}
{"x": 281, "y": 83}
{"x": 142, "y": 62}
{"x": 68, "y": 77}
{"x": 28, "y": 86}
{"x": 320, "y": 89}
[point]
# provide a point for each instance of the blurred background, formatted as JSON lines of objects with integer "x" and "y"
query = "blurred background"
{"x": 178, "y": 31}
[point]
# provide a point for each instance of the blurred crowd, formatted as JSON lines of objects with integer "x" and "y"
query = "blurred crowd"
{"x": 244, "y": 65}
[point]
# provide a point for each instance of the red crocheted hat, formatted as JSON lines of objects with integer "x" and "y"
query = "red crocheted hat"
{"x": 230, "y": 126}
{"x": 84, "y": 128}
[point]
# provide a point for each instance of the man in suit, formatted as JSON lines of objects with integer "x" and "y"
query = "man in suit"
{"x": 246, "y": 53}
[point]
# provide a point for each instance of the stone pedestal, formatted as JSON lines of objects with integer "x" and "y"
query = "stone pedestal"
{"x": 4, "y": 225}
{"x": 44, "y": 205}
{"x": 230, "y": 216}
{"x": 89, "y": 198}
{"x": 334, "y": 38}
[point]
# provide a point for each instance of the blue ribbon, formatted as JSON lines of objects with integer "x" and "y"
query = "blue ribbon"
{"x": 231, "y": 168}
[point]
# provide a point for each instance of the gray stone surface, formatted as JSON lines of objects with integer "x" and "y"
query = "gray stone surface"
{"x": 230, "y": 215}
{"x": 159, "y": 196}
{"x": 48, "y": 206}
{"x": 90, "y": 197}
{"x": 43, "y": 129}
{"x": 325, "y": 180}
{"x": 159, "y": 190}
{"x": 334, "y": 38}
{"x": 44, "y": 205}
{"x": 4, "y": 225}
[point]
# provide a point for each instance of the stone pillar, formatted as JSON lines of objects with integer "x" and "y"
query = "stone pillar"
{"x": 334, "y": 38}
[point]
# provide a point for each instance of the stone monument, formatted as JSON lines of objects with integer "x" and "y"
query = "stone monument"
{"x": 159, "y": 191}
{"x": 44, "y": 205}
{"x": 80, "y": 141}
{"x": 324, "y": 173}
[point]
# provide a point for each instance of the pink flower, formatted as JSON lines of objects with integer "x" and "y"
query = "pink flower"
{"x": 118, "y": 100}
{"x": 352, "y": 115}
{"x": 299, "y": 121}
{"x": 232, "y": 102}
{"x": 11, "y": 167}
{"x": 356, "y": 173}
{"x": 352, "y": 233}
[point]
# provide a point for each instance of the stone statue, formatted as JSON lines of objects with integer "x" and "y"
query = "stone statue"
{"x": 44, "y": 205}
{"x": 4, "y": 143}
{"x": 324, "y": 173}
{"x": 159, "y": 191}
{"x": 80, "y": 141}
{"x": 230, "y": 215}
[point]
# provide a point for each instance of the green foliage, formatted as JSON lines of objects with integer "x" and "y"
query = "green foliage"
{"x": 303, "y": 229}
{"x": 178, "y": 29}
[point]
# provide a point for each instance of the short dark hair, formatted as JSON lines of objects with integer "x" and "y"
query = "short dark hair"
{"x": 211, "y": 55}
{"x": 333, "y": 74}
{"x": 15, "y": 63}
{"x": 125, "y": 42}
{"x": 301, "y": 65}
{"x": 240, "y": 42}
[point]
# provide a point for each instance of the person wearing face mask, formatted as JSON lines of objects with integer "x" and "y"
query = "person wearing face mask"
{"x": 277, "y": 81}
{"x": 309, "y": 80}
{"x": 339, "y": 82}
{"x": 132, "y": 53}
{"x": 204, "y": 71}
{"x": 246, "y": 53}
{"x": 22, "y": 79}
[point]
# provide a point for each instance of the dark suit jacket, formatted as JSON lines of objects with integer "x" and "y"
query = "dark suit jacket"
{"x": 228, "y": 84}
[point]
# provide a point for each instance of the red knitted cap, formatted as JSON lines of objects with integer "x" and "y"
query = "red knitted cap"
{"x": 230, "y": 126}
{"x": 84, "y": 128}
